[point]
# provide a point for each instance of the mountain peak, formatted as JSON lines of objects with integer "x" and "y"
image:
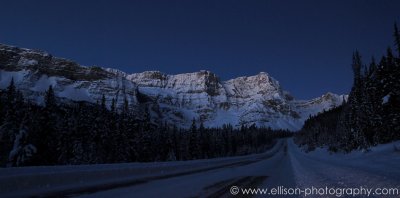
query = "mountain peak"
{"x": 205, "y": 72}
{"x": 263, "y": 74}
{"x": 175, "y": 99}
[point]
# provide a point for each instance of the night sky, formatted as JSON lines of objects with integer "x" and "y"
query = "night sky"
{"x": 306, "y": 45}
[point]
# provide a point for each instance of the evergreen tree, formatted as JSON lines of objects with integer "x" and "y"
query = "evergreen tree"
{"x": 11, "y": 91}
{"x": 125, "y": 109}
{"x": 10, "y": 126}
{"x": 374, "y": 106}
{"x": 194, "y": 149}
{"x": 204, "y": 147}
{"x": 85, "y": 133}
{"x": 371, "y": 114}
{"x": 50, "y": 99}
{"x": 396, "y": 35}
{"x": 103, "y": 103}
{"x": 67, "y": 135}
{"x": 1, "y": 108}
{"x": 175, "y": 142}
{"x": 112, "y": 108}
{"x": 355, "y": 100}
{"x": 46, "y": 137}
{"x": 22, "y": 150}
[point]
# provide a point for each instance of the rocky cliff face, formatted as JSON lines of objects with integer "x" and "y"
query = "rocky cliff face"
{"x": 34, "y": 71}
{"x": 175, "y": 99}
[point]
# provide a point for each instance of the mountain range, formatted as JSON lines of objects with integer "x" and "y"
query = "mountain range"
{"x": 173, "y": 99}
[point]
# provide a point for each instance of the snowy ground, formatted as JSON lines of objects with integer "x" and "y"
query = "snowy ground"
{"x": 379, "y": 168}
{"x": 284, "y": 165}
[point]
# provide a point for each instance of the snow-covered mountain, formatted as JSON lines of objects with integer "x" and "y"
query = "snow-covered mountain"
{"x": 175, "y": 99}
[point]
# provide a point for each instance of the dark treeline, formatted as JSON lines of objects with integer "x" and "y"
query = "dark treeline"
{"x": 85, "y": 133}
{"x": 371, "y": 114}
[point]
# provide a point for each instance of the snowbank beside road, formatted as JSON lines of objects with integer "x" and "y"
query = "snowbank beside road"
{"x": 378, "y": 168}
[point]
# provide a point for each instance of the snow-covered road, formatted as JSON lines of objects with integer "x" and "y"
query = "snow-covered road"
{"x": 264, "y": 171}
{"x": 284, "y": 165}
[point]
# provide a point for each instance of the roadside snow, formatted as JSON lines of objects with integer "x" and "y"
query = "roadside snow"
{"x": 377, "y": 168}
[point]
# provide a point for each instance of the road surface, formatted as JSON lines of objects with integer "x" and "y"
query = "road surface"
{"x": 285, "y": 166}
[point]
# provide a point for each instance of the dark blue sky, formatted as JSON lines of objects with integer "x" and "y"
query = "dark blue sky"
{"x": 306, "y": 45}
